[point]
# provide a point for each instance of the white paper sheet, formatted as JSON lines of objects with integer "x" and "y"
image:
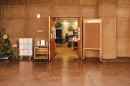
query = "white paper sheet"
{"x": 43, "y": 42}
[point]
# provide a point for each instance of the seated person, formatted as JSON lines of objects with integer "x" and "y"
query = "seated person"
{"x": 75, "y": 39}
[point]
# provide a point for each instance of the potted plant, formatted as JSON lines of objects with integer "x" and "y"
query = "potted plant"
{"x": 5, "y": 50}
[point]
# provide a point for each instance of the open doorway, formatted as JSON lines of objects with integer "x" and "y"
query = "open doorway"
{"x": 66, "y": 36}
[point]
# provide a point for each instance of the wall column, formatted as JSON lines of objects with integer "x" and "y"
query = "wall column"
{"x": 107, "y": 12}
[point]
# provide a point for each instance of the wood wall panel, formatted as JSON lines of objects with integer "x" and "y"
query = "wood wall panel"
{"x": 38, "y": 24}
{"x": 15, "y": 27}
{"x": 89, "y": 11}
{"x": 109, "y": 48}
{"x": 91, "y": 2}
{"x": 14, "y": 2}
{"x": 56, "y": 2}
{"x": 62, "y": 2}
{"x": 66, "y": 12}
{"x": 109, "y": 29}
{"x": 122, "y": 47}
{"x": 76, "y": 2}
{"x": 3, "y": 2}
{"x": 129, "y": 37}
{"x": 123, "y": 15}
{"x": 59, "y": 11}
{"x": 107, "y": 1}
{"x": 69, "y": 2}
{"x": 23, "y": 2}
{"x": 44, "y": 2}
{"x": 123, "y": 27}
{"x": 72, "y": 11}
{"x": 109, "y": 37}
{"x": 14, "y": 11}
{"x": 49, "y": 2}
{"x": 107, "y": 10}
{"x": 43, "y": 11}
{"x": 82, "y": 2}
{"x": 123, "y": 11}
{"x": 124, "y": 2}
{"x": 31, "y": 2}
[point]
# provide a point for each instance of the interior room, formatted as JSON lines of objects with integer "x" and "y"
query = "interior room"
{"x": 38, "y": 43}
{"x": 66, "y": 36}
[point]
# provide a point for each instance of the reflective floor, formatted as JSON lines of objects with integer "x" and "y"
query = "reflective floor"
{"x": 64, "y": 50}
{"x": 64, "y": 71}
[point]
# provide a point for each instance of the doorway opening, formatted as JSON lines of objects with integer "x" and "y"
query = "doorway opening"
{"x": 66, "y": 36}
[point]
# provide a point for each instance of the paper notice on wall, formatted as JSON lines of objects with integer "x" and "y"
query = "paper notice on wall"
{"x": 43, "y": 42}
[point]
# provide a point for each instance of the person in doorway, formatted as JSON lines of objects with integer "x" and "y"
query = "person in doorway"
{"x": 75, "y": 38}
{"x": 66, "y": 37}
{"x": 75, "y": 42}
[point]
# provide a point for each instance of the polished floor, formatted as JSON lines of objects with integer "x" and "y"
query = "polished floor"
{"x": 64, "y": 50}
{"x": 64, "y": 71}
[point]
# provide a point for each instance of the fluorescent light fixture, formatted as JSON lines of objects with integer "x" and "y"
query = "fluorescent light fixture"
{"x": 92, "y": 21}
{"x": 38, "y": 15}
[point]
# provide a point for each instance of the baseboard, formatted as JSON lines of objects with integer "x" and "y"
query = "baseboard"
{"x": 118, "y": 59}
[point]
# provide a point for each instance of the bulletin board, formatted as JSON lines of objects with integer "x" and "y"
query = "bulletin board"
{"x": 92, "y": 35}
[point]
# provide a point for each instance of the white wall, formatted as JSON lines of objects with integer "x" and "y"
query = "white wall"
{"x": 66, "y": 26}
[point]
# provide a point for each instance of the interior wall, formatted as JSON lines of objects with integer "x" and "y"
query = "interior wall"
{"x": 123, "y": 28}
{"x": 107, "y": 12}
{"x": 66, "y": 26}
{"x": 19, "y": 19}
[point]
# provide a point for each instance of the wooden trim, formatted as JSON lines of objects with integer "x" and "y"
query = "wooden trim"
{"x": 49, "y": 38}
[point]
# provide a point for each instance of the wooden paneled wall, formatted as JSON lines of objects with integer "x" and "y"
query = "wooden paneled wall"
{"x": 48, "y": 2}
{"x": 123, "y": 28}
{"x": 19, "y": 20}
{"x": 107, "y": 12}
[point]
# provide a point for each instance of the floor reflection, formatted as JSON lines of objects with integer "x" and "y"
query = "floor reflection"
{"x": 64, "y": 71}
